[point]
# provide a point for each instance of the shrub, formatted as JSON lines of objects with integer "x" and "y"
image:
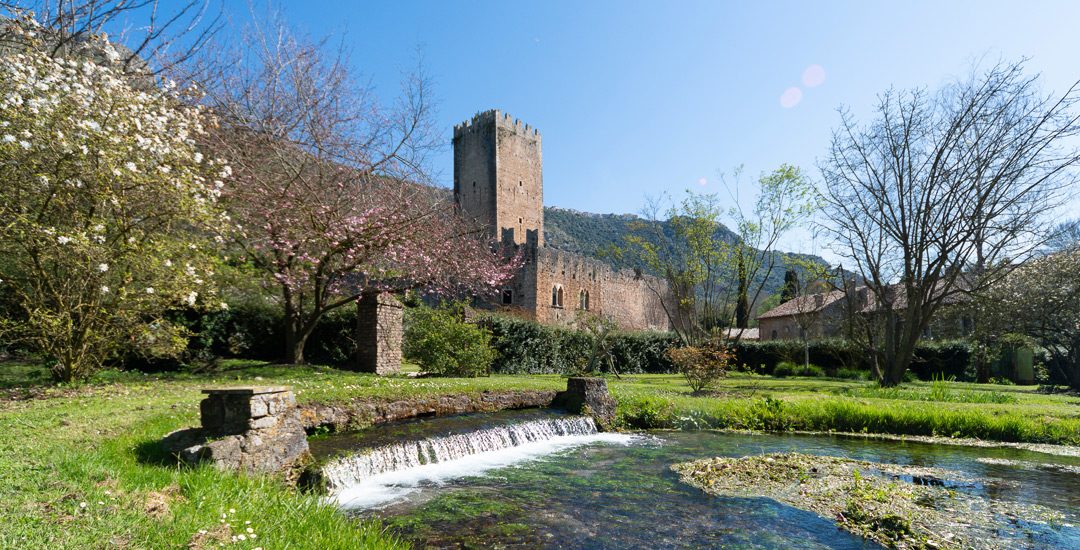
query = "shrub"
{"x": 787, "y": 368}
{"x": 702, "y": 366}
{"x": 442, "y": 343}
{"x": 647, "y": 413}
{"x": 851, "y": 374}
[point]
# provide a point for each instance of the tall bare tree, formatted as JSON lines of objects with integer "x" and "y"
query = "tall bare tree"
{"x": 942, "y": 192}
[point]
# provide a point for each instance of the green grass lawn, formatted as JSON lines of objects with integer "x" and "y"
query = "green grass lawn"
{"x": 78, "y": 467}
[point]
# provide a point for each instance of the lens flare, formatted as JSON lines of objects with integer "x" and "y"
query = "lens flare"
{"x": 813, "y": 76}
{"x": 791, "y": 97}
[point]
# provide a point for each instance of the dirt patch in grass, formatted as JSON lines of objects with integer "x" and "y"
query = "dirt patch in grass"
{"x": 157, "y": 502}
{"x": 212, "y": 538}
{"x": 898, "y": 506}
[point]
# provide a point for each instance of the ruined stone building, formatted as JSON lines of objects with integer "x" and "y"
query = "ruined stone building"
{"x": 498, "y": 180}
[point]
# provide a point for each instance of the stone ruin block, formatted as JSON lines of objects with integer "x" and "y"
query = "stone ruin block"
{"x": 379, "y": 333}
{"x": 250, "y": 429}
{"x": 588, "y": 395}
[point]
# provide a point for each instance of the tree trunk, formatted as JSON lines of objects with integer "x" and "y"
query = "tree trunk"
{"x": 742, "y": 309}
{"x": 899, "y": 349}
{"x": 295, "y": 338}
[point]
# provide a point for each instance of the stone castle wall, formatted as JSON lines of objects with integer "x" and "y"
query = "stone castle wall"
{"x": 625, "y": 297}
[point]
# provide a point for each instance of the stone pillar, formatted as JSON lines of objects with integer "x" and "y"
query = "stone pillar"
{"x": 251, "y": 429}
{"x": 379, "y": 328}
{"x": 588, "y": 396}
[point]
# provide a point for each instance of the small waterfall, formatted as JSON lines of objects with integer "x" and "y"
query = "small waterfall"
{"x": 381, "y": 475}
{"x": 351, "y": 470}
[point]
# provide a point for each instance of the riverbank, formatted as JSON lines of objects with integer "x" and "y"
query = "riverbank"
{"x": 79, "y": 466}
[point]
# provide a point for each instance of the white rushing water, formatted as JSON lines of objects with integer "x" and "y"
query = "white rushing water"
{"x": 383, "y": 475}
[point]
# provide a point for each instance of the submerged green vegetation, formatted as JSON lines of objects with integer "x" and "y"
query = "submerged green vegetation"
{"x": 80, "y": 465}
{"x": 898, "y": 506}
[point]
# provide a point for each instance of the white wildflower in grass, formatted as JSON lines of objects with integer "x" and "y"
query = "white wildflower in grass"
{"x": 8, "y": 138}
{"x": 24, "y": 144}
{"x": 103, "y": 267}
{"x": 63, "y": 240}
{"x": 131, "y": 167}
{"x": 149, "y": 290}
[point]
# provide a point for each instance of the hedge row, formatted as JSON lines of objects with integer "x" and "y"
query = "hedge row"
{"x": 530, "y": 348}
{"x": 951, "y": 358}
{"x": 526, "y": 347}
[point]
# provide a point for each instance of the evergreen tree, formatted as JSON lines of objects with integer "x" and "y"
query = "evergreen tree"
{"x": 791, "y": 285}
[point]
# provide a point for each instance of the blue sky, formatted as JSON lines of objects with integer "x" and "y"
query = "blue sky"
{"x": 638, "y": 98}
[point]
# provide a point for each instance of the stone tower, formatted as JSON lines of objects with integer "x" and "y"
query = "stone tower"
{"x": 498, "y": 176}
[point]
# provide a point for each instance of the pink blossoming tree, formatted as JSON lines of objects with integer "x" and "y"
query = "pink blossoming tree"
{"x": 328, "y": 202}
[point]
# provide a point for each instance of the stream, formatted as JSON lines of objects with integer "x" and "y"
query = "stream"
{"x": 570, "y": 487}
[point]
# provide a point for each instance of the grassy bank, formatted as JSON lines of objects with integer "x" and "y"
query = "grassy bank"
{"x": 79, "y": 467}
{"x": 980, "y": 411}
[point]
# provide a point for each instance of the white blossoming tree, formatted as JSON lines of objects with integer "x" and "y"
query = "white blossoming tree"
{"x": 104, "y": 209}
{"x": 1041, "y": 299}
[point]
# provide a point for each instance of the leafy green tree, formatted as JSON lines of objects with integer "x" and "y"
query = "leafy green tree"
{"x": 103, "y": 186}
{"x": 791, "y": 285}
{"x": 707, "y": 274}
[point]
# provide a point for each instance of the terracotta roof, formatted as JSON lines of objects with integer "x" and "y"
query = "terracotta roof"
{"x": 803, "y": 304}
{"x": 817, "y": 302}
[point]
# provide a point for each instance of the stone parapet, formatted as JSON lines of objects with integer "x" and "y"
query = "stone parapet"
{"x": 250, "y": 429}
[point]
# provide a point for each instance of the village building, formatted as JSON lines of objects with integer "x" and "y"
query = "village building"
{"x": 499, "y": 182}
{"x": 830, "y": 315}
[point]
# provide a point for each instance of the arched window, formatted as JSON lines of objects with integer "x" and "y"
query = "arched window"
{"x": 583, "y": 300}
{"x": 560, "y": 296}
{"x": 555, "y": 296}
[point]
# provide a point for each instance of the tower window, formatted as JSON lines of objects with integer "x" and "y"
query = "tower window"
{"x": 583, "y": 300}
{"x": 519, "y": 221}
{"x": 520, "y": 183}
